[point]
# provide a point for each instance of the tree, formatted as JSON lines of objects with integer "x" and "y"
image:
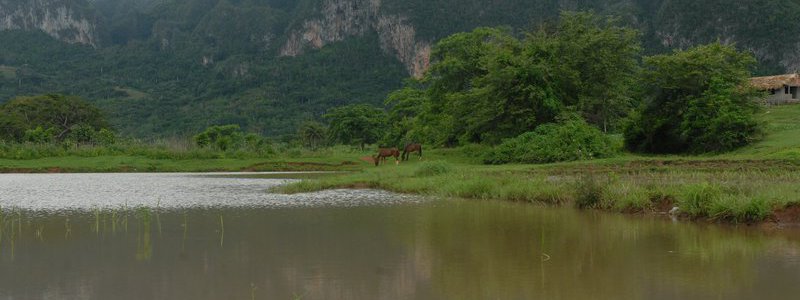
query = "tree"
{"x": 312, "y": 134}
{"x": 699, "y": 101}
{"x": 222, "y": 137}
{"x": 357, "y": 124}
{"x": 406, "y": 105}
{"x": 600, "y": 65}
{"x": 52, "y": 112}
{"x": 486, "y": 85}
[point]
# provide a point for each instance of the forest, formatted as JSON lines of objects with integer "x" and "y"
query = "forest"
{"x": 174, "y": 68}
{"x": 567, "y": 91}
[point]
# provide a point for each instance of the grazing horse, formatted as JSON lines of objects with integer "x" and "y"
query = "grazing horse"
{"x": 412, "y": 148}
{"x": 383, "y": 153}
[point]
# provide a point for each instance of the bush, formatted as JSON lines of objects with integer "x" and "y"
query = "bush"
{"x": 220, "y": 137}
{"x": 39, "y": 135}
{"x": 698, "y": 199}
{"x": 570, "y": 140}
{"x": 700, "y": 101}
{"x": 588, "y": 193}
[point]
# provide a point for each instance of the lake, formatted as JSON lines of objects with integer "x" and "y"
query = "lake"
{"x": 224, "y": 236}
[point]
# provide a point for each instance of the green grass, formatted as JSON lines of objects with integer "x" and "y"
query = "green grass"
{"x": 741, "y": 187}
{"x": 143, "y": 164}
{"x": 725, "y": 193}
{"x": 782, "y": 135}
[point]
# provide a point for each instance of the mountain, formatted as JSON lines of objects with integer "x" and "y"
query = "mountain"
{"x": 173, "y": 67}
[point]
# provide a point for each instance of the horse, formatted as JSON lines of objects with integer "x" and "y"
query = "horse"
{"x": 412, "y": 148}
{"x": 383, "y": 153}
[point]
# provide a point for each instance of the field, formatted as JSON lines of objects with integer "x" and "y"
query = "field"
{"x": 755, "y": 184}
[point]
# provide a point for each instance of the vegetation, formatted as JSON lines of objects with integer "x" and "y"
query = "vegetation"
{"x": 50, "y": 118}
{"x": 700, "y": 101}
{"x": 167, "y": 68}
{"x": 487, "y": 85}
{"x": 356, "y": 124}
{"x": 559, "y": 93}
{"x": 569, "y": 140}
{"x": 745, "y": 186}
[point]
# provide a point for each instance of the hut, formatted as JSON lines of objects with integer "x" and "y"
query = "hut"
{"x": 781, "y": 89}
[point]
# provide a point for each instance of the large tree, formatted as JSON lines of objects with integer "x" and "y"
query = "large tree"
{"x": 699, "y": 100}
{"x": 356, "y": 124}
{"x": 487, "y": 85}
{"x": 312, "y": 134}
{"x": 58, "y": 113}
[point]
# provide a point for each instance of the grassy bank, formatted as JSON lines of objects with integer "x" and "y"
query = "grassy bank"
{"x": 104, "y": 159}
{"x": 734, "y": 191}
{"x": 754, "y": 184}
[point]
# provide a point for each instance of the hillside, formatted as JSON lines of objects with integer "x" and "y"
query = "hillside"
{"x": 168, "y": 67}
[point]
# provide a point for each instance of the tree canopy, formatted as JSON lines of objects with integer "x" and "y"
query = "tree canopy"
{"x": 54, "y": 113}
{"x": 698, "y": 100}
{"x": 487, "y": 85}
{"x": 356, "y": 124}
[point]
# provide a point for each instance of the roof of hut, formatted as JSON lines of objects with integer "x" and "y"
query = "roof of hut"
{"x": 775, "y": 82}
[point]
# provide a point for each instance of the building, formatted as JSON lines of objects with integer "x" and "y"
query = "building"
{"x": 781, "y": 89}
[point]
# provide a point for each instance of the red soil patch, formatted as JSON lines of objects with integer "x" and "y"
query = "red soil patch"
{"x": 368, "y": 159}
{"x": 788, "y": 215}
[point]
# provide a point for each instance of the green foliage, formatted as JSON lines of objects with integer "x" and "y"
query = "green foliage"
{"x": 356, "y": 124}
{"x": 405, "y": 104}
{"x": 699, "y": 102}
{"x": 222, "y": 137}
{"x": 313, "y": 134}
{"x": 46, "y": 117}
{"x": 697, "y": 198}
{"x": 569, "y": 140}
{"x": 588, "y": 193}
{"x": 722, "y": 119}
{"x": 105, "y": 137}
{"x": 39, "y": 135}
{"x": 432, "y": 168}
{"x": 165, "y": 68}
{"x": 486, "y": 85}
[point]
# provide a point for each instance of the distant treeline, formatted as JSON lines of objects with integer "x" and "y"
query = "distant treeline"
{"x": 554, "y": 93}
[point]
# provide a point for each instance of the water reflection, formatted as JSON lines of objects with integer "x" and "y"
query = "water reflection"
{"x": 435, "y": 250}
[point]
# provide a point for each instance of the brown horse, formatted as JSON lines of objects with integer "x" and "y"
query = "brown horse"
{"x": 412, "y": 148}
{"x": 383, "y": 153}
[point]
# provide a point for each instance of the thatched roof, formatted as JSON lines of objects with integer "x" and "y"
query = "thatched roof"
{"x": 775, "y": 82}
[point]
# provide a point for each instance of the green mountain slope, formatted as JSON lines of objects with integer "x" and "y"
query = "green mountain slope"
{"x": 165, "y": 67}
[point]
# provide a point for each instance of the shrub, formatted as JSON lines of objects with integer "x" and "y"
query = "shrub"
{"x": 698, "y": 199}
{"x": 81, "y": 134}
{"x": 700, "y": 101}
{"x": 588, "y": 193}
{"x": 570, "y": 140}
{"x": 39, "y": 135}
{"x": 221, "y": 137}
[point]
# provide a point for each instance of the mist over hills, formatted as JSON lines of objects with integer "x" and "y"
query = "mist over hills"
{"x": 173, "y": 67}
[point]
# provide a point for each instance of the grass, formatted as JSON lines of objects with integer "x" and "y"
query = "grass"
{"x": 174, "y": 158}
{"x": 745, "y": 186}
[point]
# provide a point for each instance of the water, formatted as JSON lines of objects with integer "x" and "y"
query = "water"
{"x": 215, "y": 237}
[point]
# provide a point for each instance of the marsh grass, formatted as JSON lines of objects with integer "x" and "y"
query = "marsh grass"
{"x": 723, "y": 191}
